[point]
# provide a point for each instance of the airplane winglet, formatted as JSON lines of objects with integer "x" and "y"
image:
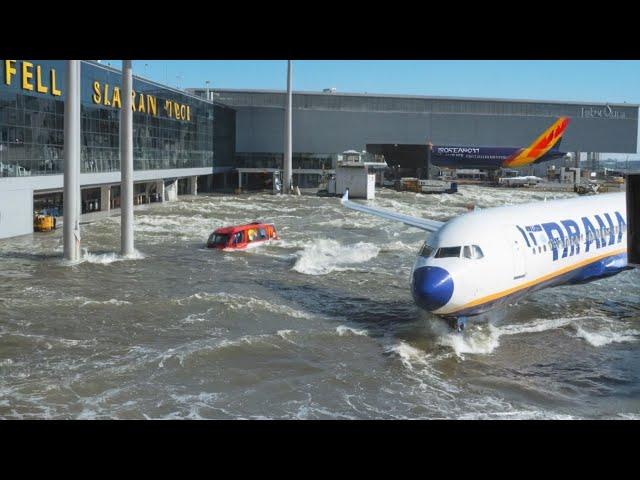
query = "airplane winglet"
{"x": 345, "y": 197}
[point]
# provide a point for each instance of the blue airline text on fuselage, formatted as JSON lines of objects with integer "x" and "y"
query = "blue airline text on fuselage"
{"x": 566, "y": 234}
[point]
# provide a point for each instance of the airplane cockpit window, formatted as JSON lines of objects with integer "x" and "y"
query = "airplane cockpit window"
{"x": 446, "y": 252}
{"x": 472, "y": 251}
{"x": 426, "y": 250}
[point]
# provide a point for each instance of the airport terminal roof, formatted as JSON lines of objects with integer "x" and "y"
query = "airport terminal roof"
{"x": 217, "y": 91}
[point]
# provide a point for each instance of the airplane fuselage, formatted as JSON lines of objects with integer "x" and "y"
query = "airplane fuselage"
{"x": 482, "y": 259}
{"x": 452, "y": 156}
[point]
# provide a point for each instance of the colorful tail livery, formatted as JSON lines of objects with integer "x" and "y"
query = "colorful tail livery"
{"x": 543, "y": 148}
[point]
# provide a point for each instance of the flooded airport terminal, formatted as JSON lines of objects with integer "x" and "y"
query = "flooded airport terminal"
{"x": 195, "y": 253}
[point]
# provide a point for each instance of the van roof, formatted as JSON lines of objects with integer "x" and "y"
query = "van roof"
{"x": 237, "y": 228}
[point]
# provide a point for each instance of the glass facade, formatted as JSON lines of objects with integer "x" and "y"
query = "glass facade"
{"x": 171, "y": 129}
{"x": 316, "y": 161}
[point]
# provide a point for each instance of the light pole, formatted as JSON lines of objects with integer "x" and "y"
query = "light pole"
{"x": 286, "y": 181}
{"x": 207, "y": 84}
{"x": 126, "y": 161}
{"x": 71, "y": 226}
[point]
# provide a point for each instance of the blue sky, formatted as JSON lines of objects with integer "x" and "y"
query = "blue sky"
{"x": 574, "y": 80}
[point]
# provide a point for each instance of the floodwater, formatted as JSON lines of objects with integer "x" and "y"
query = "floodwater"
{"x": 318, "y": 325}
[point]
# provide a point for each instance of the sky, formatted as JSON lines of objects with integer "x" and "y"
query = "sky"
{"x": 614, "y": 81}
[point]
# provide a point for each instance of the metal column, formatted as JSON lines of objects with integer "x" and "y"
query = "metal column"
{"x": 427, "y": 173}
{"x": 286, "y": 181}
{"x": 126, "y": 161}
{"x": 71, "y": 227}
{"x": 633, "y": 219}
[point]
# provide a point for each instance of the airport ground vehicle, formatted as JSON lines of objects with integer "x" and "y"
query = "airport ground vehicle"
{"x": 239, "y": 237}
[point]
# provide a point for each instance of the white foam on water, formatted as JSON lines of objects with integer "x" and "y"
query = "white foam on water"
{"x": 112, "y": 301}
{"x": 288, "y": 243}
{"x": 606, "y": 335}
{"x": 48, "y": 340}
{"x": 249, "y": 340}
{"x": 629, "y": 416}
{"x": 516, "y": 415}
{"x": 420, "y": 368}
{"x": 484, "y": 339}
{"x": 194, "y": 318}
{"x": 238, "y": 302}
{"x": 285, "y": 334}
{"x": 410, "y": 356}
{"x": 481, "y": 342}
{"x": 108, "y": 258}
{"x": 343, "y": 330}
{"x": 323, "y": 256}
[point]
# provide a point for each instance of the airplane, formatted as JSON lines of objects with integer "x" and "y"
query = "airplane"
{"x": 520, "y": 181}
{"x": 486, "y": 258}
{"x": 544, "y": 148}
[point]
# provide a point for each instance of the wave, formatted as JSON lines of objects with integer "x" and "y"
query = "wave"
{"x": 239, "y": 302}
{"x": 606, "y": 336}
{"x": 324, "y": 256}
{"x": 409, "y": 356}
{"x": 484, "y": 339}
{"x": 343, "y": 330}
{"x": 112, "y": 301}
{"x": 107, "y": 258}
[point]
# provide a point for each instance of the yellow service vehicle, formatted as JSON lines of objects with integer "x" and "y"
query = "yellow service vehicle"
{"x": 44, "y": 223}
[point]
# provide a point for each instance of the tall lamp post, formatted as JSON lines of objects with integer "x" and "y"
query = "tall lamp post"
{"x": 208, "y": 95}
{"x": 286, "y": 181}
{"x": 126, "y": 161}
{"x": 71, "y": 226}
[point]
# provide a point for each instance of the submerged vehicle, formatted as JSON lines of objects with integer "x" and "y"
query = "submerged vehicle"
{"x": 43, "y": 222}
{"x": 239, "y": 237}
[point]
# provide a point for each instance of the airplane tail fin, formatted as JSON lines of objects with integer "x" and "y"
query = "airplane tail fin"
{"x": 548, "y": 140}
{"x": 551, "y": 137}
{"x": 557, "y": 145}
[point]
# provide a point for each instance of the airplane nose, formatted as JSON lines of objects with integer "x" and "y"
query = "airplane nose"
{"x": 432, "y": 287}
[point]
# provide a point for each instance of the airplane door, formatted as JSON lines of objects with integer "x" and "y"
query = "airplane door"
{"x": 517, "y": 249}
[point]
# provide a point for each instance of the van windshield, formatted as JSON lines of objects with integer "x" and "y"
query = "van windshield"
{"x": 448, "y": 252}
{"x": 216, "y": 239}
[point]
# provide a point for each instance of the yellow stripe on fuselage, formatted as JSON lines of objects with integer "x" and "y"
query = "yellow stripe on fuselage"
{"x": 544, "y": 278}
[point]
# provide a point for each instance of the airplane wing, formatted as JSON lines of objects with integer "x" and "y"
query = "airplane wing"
{"x": 421, "y": 223}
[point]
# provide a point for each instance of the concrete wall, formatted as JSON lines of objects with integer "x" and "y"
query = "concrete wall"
{"x": 16, "y": 212}
{"x": 260, "y": 129}
{"x": 56, "y": 182}
{"x": 16, "y": 193}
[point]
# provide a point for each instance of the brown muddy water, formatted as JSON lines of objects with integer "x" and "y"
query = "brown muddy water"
{"x": 318, "y": 325}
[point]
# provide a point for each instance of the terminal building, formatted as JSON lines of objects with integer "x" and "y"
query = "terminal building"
{"x": 207, "y": 140}
{"x": 178, "y": 139}
{"x": 327, "y": 123}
